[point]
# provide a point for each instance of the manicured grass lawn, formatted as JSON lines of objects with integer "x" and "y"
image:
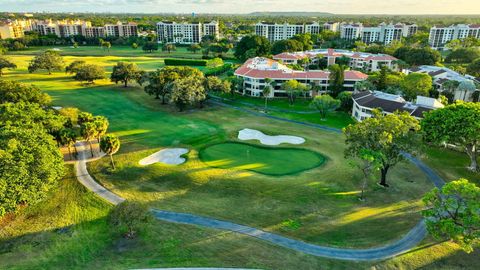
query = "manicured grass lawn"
{"x": 321, "y": 202}
{"x": 264, "y": 160}
{"x": 120, "y": 51}
{"x": 281, "y": 108}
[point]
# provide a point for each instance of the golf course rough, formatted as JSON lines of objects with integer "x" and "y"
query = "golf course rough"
{"x": 275, "y": 161}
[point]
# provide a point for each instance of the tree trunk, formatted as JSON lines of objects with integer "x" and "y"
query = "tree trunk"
{"x": 472, "y": 153}
{"x": 383, "y": 173}
{"x": 69, "y": 152}
{"x": 157, "y": 96}
{"x": 163, "y": 99}
{"x": 113, "y": 164}
{"x": 266, "y": 104}
{"x": 91, "y": 148}
{"x": 125, "y": 82}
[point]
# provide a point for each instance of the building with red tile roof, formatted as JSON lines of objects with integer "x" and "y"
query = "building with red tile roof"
{"x": 255, "y": 70}
{"x": 358, "y": 60}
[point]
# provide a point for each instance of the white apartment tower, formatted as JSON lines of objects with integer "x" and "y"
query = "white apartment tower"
{"x": 383, "y": 33}
{"x": 275, "y": 32}
{"x": 211, "y": 29}
{"x": 183, "y": 33}
{"x": 313, "y": 28}
{"x": 439, "y": 35}
{"x": 331, "y": 26}
{"x": 121, "y": 30}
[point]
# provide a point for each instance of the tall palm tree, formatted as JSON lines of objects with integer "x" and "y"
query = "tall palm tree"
{"x": 110, "y": 144}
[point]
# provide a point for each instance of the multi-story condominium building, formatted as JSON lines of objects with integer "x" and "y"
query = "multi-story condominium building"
{"x": 183, "y": 33}
{"x": 383, "y": 33}
{"x": 365, "y": 102}
{"x": 441, "y": 75}
{"x": 63, "y": 28}
{"x": 95, "y": 32}
{"x": 47, "y": 27}
{"x": 351, "y": 31}
{"x": 10, "y": 30}
{"x": 368, "y": 62}
{"x": 255, "y": 70}
{"x": 441, "y": 35}
{"x": 331, "y": 26}
{"x": 211, "y": 29}
{"x": 275, "y": 32}
{"x": 121, "y": 29}
{"x": 313, "y": 28}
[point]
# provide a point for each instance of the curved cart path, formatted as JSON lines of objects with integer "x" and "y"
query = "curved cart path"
{"x": 407, "y": 242}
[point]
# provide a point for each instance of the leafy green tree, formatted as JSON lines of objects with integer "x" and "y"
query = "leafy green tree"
{"x": 416, "y": 84}
{"x": 194, "y": 48}
{"x": 135, "y": 46}
{"x": 304, "y": 39}
{"x": 31, "y": 165}
{"x": 73, "y": 67}
{"x": 84, "y": 117}
{"x": 346, "y": 102}
{"x": 125, "y": 72}
{"x": 68, "y": 138}
{"x": 71, "y": 116}
{"x": 463, "y": 55}
{"x": 336, "y": 79}
{"x": 168, "y": 47}
{"x": 101, "y": 123}
{"x": 12, "y": 91}
{"x": 5, "y": 63}
{"x": 366, "y": 85}
{"x": 213, "y": 84}
{"x": 293, "y": 87}
{"x": 150, "y": 46}
{"x": 215, "y": 62}
{"x": 474, "y": 68}
{"x": 88, "y": 131}
{"x": 343, "y": 61}
{"x": 457, "y": 124}
{"x": 89, "y": 73}
{"x": 287, "y": 45}
{"x": 188, "y": 91}
{"x": 110, "y": 144}
{"x": 106, "y": 45}
{"x": 382, "y": 78}
{"x": 454, "y": 212}
{"x": 267, "y": 90}
{"x": 368, "y": 162}
{"x": 325, "y": 104}
{"x": 251, "y": 46}
{"x": 129, "y": 217}
{"x": 418, "y": 56}
{"x": 47, "y": 60}
{"x": 386, "y": 137}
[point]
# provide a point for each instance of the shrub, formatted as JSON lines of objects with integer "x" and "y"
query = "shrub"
{"x": 129, "y": 217}
{"x": 185, "y": 62}
{"x": 219, "y": 70}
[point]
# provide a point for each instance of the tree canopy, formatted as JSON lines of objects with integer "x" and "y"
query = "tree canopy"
{"x": 89, "y": 73}
{"x": 12, "y": 91}
{"x": 416, "y": 84}
{"x": 47, "y": 60}
{"x": 386, "y": 137}
{"x": 125, "y": 72}
{"x": 457, "y": 124}
{"x": 5, "y": 63}
{"x": 325, "y": 104}
{"x": 251, "y": 46}
{"x": 454, "y": 212}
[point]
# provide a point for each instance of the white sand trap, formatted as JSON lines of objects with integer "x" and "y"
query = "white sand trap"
{"x": 170, "y": 156}
{"x": 252, "y": 134}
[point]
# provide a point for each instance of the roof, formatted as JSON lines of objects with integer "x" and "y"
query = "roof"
{"x": 334, "y": 53}
{"x": 391, "y": 103}
{"x": 260, "y": 68}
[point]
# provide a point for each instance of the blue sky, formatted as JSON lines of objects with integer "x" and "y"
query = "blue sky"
{"x": 245, "y": 6}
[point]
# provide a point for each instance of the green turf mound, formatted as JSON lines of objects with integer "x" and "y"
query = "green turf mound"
{"x": 260, "y": 159}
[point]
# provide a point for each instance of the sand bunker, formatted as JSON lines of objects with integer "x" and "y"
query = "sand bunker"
{"x": 170, "y": 156}
{"x": 252, "y": 134}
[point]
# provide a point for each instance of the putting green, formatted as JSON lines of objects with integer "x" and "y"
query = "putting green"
{"x": 260, "y": 159}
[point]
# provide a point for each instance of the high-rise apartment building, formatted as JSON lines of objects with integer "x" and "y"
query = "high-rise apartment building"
{"x": 441, "y": 35}
{"x": 186, "y": 32}
{"x": 275, "y": 32}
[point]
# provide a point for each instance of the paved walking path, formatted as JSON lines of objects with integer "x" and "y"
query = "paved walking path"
{"x": 407, "y": 242}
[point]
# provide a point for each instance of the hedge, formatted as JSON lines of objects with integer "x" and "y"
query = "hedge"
{"x": 185, "y": 62}
{"x": 218, "y": 70}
